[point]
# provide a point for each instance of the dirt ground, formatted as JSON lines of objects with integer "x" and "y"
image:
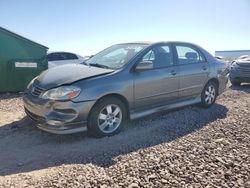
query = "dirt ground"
{"x": 187, "y": 147}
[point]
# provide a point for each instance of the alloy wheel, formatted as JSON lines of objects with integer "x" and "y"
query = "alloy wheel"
{"x": 210, "y": 94}
{"x": 110, "y": 118}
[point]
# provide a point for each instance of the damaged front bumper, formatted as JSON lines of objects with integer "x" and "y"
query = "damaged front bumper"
{"x": 59, "y": 117}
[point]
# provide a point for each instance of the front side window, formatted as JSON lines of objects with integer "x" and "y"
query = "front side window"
{"x": 188, "y": 55}
{"x": 160, "y": 56}
{"x": 116, "y": 56}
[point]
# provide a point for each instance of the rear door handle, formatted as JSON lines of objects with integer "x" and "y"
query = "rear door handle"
{"x": 173, "y": 72}
{"x": 204, "y": 67}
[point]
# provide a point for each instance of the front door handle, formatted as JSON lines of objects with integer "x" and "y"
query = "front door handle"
{"x": 173, "y": 72}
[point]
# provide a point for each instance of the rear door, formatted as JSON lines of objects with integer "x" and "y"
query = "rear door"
{"x": 159, "y": 85}
{"x": 193, "y": 69}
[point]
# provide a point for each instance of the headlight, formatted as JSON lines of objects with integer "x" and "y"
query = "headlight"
{"x": 62, "y": 93}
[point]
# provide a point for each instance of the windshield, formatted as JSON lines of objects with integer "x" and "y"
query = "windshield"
{"x": 115, "y": 56}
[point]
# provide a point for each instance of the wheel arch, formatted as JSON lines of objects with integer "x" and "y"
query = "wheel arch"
{"x": 117, "y": 96}
{"x": 216, "y": 81}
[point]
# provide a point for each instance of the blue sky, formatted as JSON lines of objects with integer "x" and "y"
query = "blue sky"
{"x": 88, "y": 26}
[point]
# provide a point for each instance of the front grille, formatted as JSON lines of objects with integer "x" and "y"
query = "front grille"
{"x": 36, "y": 91}
{"x": 246, "y": 64}
{"x": 244, "y": 70}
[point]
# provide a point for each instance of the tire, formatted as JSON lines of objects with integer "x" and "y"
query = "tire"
{"x": 209, "y": 94}
{"x": 107, "y": 117}
{"x": 235, "y": 83}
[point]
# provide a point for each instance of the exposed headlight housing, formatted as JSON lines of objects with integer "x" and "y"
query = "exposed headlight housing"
{"x": 234, "y": 65}
{"x": 62, "y": 93}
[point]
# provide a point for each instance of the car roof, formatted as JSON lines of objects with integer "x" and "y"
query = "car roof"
{"x": 134, "y": 43}
{"x": 158, "y": 42}
{"x": 51, "y": 52}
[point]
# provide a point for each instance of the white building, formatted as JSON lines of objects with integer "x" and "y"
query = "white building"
{"x": 232, "y": 54}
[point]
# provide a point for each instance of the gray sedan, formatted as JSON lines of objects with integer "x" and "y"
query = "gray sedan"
{"x": 124, "y": 81}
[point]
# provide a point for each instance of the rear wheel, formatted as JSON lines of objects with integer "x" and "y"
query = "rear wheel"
{"x": 107, "y": 117}
{"x": 209, "y": 94}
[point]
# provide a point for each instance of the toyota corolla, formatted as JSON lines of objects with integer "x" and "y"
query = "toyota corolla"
{"x": 124, "y": 81}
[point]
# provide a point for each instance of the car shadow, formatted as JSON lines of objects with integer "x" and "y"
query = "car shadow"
{"x": 24, "y": 148}
{"x": 242, "y": 87}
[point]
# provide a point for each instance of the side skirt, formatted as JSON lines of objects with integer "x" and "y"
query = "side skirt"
{"x": 135, "y": 115}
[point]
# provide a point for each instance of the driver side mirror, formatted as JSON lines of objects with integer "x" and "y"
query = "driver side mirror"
{"x": 144, "y": 65}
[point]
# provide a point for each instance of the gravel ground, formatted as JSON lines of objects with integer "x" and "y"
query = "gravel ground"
{"x": 11, "y": 108}
{"x": 10, "y": 103}
{"x": 188, "y": 147}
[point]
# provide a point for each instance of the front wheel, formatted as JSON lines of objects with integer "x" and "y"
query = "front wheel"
{"x": 209, "y": 94}
{"x": 107, "y": 117}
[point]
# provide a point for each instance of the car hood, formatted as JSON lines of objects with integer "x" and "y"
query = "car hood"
{"x": 67, "y": 74}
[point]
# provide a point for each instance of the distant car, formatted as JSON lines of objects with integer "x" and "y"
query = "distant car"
{"x": 124, "y": 81}
{"x": 63, "y": 58}
{"x": 240, "y": 71}
{"x": 243, "y": 57}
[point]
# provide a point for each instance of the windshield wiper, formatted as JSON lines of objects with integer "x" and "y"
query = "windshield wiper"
{"x": 100, "y": 65}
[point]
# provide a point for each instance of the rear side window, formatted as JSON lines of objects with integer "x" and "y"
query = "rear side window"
{"x": 188, "y": 55}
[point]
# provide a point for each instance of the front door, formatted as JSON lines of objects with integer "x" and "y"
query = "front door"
{"x": 157, "y": 86}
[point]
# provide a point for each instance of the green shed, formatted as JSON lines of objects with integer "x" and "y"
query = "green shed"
{"x": 20, "y": 61}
